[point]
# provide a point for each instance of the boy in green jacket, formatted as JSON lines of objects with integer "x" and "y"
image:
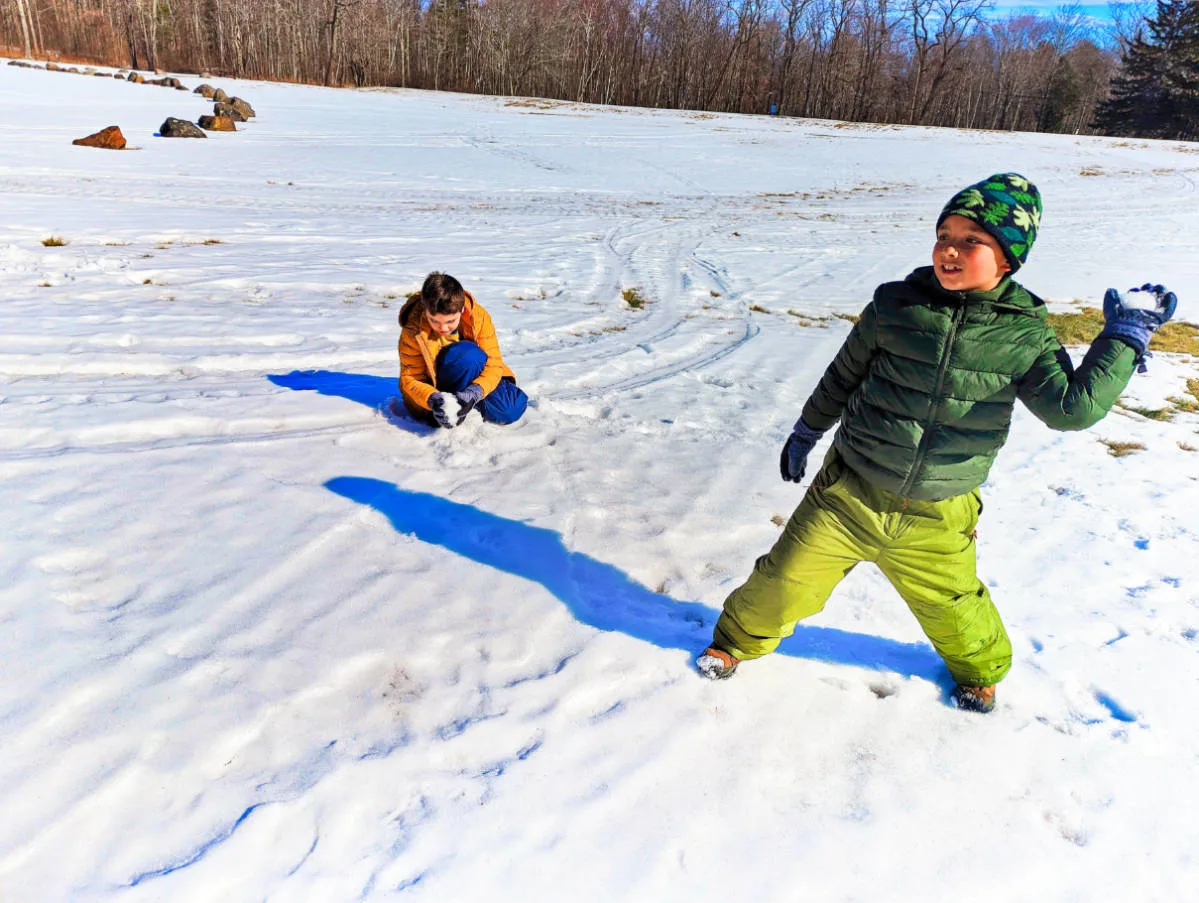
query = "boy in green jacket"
{"x": 923, "y": 389}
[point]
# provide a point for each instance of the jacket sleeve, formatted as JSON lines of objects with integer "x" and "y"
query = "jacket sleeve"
{"x": 844, "y": 374}
{"x": 1065, "y": 398}
{"x": 493, "y": 370}
{"x": 416, "y": 383}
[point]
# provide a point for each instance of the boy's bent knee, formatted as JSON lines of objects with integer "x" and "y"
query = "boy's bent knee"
{"x": 459, "y": 364}
{"x": 506, "y": 403}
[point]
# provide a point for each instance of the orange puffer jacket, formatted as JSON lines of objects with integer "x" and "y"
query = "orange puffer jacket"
{"x": 419, "y": 346}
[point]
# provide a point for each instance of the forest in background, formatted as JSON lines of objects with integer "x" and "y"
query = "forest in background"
{"x": 950, "y": 63}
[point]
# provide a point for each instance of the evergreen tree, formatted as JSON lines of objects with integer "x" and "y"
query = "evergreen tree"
{"x": 1155, "y": 94}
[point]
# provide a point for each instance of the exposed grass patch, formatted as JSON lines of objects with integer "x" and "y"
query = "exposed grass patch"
{"x": 778, "y": 520}
{"x": 852, "y": 318}
{"x": 633, "y": 298}
{"x": 1090, "y": 171}
{"x": 1151, "y": 413}
{"x": 808, "y": 320}
{"x": 1184, "y": 404}
{"x": 714, "y": 293}
{"x": 1186, "y": 447}
{"x": 54, "y": 241}
{"x": 45, "y": 285}
{"x": 758, "y": 309}
{"x": 1080, "y": 328}
{"x": 1121, "y": 449}
{"x": 1177, "y": 336}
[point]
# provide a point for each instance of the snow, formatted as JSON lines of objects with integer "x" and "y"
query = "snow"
{"x": 452, "y": 408}
{"x": 266, "y": 639}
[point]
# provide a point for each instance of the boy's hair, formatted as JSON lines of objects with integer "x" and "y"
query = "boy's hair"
{"x": 442, "y": 294}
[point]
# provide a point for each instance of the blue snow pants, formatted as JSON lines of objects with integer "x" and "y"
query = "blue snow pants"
{"x": 459, "y": 364}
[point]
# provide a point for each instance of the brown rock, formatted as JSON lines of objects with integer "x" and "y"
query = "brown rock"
{"x": 242, "y": 107}
{"x": 137, "y": 78}
{"x": 224, "y": 109}
{"x": 206, "y": 90}
{"x": 108, "y": 139}
{"x": 219, "y": 94}
{"x": 217, "y": 124}
{"x": 179, "y": 128}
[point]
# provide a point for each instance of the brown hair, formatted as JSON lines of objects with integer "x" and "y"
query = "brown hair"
{"x": 442, "y": 294}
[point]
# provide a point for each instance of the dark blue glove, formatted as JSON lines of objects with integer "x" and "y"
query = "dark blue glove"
{"x": 440, "y": 414}
{"x": 1134, "y": 316}
{"x": 794, "y": 459}
{"x": 467, "y": 399}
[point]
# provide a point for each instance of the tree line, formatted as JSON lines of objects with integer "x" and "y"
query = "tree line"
{"x": 929, "y": 62}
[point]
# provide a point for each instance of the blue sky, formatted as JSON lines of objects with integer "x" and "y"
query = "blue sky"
{"x": 1101, "y": 11}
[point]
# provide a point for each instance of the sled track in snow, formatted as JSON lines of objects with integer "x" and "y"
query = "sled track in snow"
{"x": 655, "y": 376}
{"x": 173, "y": 442}
{"x": 657, "y": 258}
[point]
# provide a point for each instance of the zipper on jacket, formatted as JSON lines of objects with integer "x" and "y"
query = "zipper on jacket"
{"x": 935, "y": 402}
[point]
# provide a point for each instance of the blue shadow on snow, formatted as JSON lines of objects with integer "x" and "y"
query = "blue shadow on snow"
{"x": 376, "y": 392}
{"x": 601, "y": 595}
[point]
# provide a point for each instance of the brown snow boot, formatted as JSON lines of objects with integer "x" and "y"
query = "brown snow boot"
{"x": 974, "y": 699}
{"x": 716, "y": 664}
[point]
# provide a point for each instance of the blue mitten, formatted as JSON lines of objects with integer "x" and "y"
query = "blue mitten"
{"x": 794, "y": 459}
{"x": 1134, "y": 316}
{"x": 437, "y": 404}
{"x": 467, "y": 399}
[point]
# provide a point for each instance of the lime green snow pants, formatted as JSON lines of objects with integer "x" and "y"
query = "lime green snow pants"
{"x": 926, "y": 550}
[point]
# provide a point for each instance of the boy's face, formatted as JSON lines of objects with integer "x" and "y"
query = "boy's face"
{"x": 967, "y": 258}
{"x": 444, "y": 324}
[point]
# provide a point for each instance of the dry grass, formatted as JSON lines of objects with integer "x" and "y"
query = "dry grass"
{"x": 1121, "y": 449}
{"x": 54, "y": 241}
{"x": 1184, "y": 404}
{"x": 633, "y": 298}
{"x": 810, "y": 320}
{"x": 1150, "y": 413}
{"x": 758, "y": 309}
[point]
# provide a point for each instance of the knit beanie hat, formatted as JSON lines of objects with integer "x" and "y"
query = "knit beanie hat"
{"x": 1006, "y": 205}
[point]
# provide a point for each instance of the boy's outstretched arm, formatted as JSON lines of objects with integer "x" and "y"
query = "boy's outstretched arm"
{"x": 844, "y": 374}
{"x": 1066, "y": 398}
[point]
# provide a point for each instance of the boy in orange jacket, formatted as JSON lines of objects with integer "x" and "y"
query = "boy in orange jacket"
{"x": 450, "y": 359}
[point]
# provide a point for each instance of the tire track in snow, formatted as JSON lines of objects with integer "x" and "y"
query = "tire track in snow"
{"x": 198, "y": 440}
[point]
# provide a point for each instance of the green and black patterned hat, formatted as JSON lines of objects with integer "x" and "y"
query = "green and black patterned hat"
{"x": 1008, "y": 206}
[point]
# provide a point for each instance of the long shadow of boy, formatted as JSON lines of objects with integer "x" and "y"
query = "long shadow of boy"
{"x": 601, "y": 595}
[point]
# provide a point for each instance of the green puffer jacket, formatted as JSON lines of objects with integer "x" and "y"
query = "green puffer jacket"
{"x": 925, "y": 383}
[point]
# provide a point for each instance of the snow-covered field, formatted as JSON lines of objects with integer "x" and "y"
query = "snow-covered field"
{"x": 263, "y": 640}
